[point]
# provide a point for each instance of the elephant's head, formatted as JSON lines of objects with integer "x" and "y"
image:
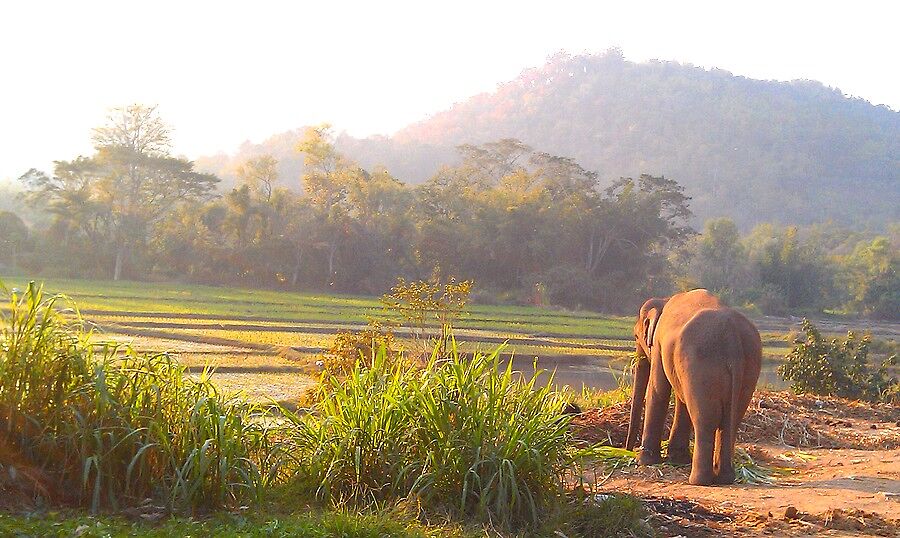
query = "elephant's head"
{"x": 644, "y": 332}
{"x": 645, "y": 327}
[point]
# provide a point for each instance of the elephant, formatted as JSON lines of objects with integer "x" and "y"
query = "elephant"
{"x": 711, "y": 356}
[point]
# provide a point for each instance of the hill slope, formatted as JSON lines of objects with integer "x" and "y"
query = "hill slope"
{"x": 753, "y": 150}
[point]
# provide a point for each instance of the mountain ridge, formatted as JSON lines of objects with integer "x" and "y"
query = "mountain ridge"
{"x": 754, "y": 150}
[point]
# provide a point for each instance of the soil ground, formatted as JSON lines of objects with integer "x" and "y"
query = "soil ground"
{"x": 840, "y": 477}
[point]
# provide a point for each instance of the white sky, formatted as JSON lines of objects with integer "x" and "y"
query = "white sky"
{"x": 225, "y": 72}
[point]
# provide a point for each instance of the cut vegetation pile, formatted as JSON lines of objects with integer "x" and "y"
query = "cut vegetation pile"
{"x": 782, "y": 417}
{"x": 803, "y": 420}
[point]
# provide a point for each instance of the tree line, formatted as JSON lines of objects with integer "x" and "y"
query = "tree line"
{"x": 526, "y": 225}
{"x": 791, "y": 269}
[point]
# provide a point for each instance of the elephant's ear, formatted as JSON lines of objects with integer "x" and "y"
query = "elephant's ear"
{"x": 650, "y": 330}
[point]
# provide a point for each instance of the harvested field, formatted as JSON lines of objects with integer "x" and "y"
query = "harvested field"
{"x": 237, "y": 328}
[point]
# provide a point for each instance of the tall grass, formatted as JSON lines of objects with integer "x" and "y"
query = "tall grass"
{"x": 462, "y": 435}
{"x": 113, "y": 426}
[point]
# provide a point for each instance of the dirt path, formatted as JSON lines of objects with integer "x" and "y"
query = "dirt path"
{"x": 864, "y": 483}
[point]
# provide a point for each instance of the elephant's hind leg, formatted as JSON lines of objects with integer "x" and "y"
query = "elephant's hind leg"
{"x": 680, "y": 436}
{"x": 706, "y": 420}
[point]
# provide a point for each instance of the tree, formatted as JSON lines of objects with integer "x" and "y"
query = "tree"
{"x": 68, "y": 195}
{"x": 327, "y": 181}
{"x": 488, "y": 163}
{"x": 630, "y": 231}
{"x": 14, "y": 236}
{"x": 721, "y": 262}
{"x": 299, "y": 223}
{"x": 260, "y": 174}
{"x": 382, "y": 228}
{"x": 135, "y": 127}
{"x": 793, "y": 273}
{"x": 120, "y": 194}
{"x": 872, "y": 276}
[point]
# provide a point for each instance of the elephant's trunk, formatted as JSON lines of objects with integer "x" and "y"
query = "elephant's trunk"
{"x": 638, "y": 394}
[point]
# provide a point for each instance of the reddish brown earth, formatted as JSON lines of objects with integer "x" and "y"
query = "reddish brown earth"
{"x": 840, "y": 465}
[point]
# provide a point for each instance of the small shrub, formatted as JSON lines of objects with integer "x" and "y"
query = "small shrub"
{"x": 350, "y": 347}
{"x": 421, "y": 304}
{"x": 836, "y": 368}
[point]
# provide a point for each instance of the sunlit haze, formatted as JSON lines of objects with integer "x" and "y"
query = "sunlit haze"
{"x": 226, "y": 72}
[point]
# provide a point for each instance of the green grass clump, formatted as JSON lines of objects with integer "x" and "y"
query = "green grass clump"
{"x": 599, "y": 399}
{"x": 461, "y": 436}
{"x": 115, "y": 428}
{"x": 601, "y": 515}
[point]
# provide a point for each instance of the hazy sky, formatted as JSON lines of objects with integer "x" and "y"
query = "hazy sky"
{"x": 225, "y": 72}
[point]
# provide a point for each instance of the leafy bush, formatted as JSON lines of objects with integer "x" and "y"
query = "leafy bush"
{"x": 462, "y": 436}
{"x": 113, "y": 426}
{"x": 420, "y": 304}
{"x": 837, "y": 368}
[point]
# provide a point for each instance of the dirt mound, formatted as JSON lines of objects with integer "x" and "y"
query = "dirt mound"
{"x": 776, "y": 417}
{"x": 608, "y": 425}
{"x": 795, "y": 523}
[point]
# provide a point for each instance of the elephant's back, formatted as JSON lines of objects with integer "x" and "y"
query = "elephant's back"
{"x": 723, "y": 332}
{"x": 682, "y": 307}
{"x": 710, "y": 328}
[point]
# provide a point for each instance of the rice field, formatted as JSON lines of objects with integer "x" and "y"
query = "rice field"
{"x": 266, "y": 343}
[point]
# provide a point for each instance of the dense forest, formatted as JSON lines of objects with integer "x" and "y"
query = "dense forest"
{"x": 755, "y": 151}
{"x": 528, "y": 226}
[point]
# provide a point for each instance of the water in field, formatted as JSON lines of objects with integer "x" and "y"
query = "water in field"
{"x": 599, "y": 373}
{"x": 604, "y": 373}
